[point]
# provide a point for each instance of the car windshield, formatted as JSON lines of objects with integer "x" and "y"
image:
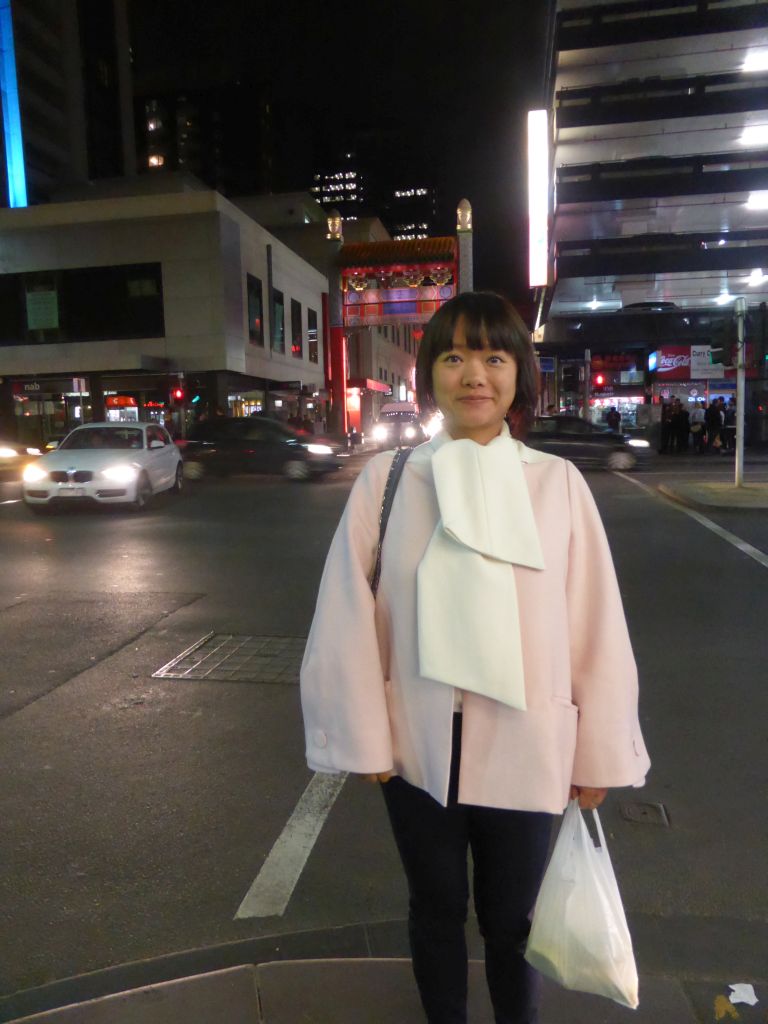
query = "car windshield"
{"x": 110, "y": 438}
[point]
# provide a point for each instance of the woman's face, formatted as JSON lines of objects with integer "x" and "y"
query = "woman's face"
{"x": 473, "y": 389}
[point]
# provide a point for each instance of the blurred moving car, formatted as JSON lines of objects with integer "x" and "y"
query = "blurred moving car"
{"x": 398, "y": 426}
{"x": 255, "y": 444}
{"x": 14, "y": 457}
{"x": 105, "y": 464}
{"x": 586, "y": 444}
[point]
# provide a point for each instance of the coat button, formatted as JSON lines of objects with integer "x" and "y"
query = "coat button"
{"x": 319, "y": 738}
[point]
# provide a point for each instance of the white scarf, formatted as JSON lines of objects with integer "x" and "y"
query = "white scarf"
{"x": 468, "y": 621}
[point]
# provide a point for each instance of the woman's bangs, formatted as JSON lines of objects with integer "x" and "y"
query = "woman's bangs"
{"x": 497, "y": 333}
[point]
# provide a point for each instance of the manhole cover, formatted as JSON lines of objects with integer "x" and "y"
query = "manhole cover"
{"x": 223, "y": 657}
{"x": 645, "y": 814}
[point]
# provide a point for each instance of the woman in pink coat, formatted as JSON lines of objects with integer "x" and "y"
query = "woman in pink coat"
{"x": 491, "y": 677}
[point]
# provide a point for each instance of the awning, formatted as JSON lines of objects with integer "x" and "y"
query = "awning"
{"x": 366, "y": 384}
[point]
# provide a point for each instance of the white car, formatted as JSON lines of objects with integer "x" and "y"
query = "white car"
{"x": 105, "y": 463}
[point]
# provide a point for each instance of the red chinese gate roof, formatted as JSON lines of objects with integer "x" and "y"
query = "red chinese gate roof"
{"x": 411, "y": 250}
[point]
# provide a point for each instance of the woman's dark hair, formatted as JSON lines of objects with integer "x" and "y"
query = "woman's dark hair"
{"x": 487, "y": 318}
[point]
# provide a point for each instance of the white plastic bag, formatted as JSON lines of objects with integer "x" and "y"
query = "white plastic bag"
{"x": 579, "y": 933}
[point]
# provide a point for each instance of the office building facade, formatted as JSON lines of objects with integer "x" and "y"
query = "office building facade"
{"x": 659, "y": 125}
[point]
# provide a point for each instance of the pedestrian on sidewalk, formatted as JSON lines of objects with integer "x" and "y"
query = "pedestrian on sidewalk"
{"x": 666, "y": 427}
{"x": 491, "y": 677}
{"x": 698, "y": 425}
{"x": 613, "y": 419}
{"x": 714, "y": 420}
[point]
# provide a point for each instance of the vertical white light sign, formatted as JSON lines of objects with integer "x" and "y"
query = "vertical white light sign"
{"x": 538, "y": 196}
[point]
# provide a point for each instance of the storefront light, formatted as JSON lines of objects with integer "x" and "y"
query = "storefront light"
{"x": 724, "y": 298}
{"x": 757, "y": 201}
{"x": 756, "y": 278}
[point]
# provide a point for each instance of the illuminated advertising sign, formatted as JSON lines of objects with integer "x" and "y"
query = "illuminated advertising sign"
{"x": 538, "y": 197}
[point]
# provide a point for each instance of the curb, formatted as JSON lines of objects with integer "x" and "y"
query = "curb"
{"x": 708, "y": 506}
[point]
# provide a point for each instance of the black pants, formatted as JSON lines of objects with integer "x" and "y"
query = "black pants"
{"x": 509, "y": 850}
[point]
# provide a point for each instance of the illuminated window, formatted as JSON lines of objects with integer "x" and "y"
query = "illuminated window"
{"x": 312, "y": 335}
{"x": 297, "y": 343}
{"x": 278, "y": 327}
{"x": 156, "y": 160}
{"x": 153, "y": 124}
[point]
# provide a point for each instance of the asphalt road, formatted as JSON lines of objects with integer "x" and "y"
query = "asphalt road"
{"x": 137, "y": 811}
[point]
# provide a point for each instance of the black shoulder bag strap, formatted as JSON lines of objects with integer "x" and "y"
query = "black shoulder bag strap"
{"x": 395, "y": 471}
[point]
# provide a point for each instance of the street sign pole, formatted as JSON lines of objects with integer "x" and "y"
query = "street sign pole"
{"x": 741, "y": 313}
{"x": 587, "y": 382}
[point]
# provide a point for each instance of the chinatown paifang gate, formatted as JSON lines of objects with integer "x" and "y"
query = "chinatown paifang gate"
{"x": 388, "y": 283}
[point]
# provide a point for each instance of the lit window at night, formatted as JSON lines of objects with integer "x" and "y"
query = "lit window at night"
{"x": 156, "y": 160}
{"x": 153, "y": 124}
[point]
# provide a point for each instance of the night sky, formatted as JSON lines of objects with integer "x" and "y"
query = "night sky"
{"x": 454, "y": 79}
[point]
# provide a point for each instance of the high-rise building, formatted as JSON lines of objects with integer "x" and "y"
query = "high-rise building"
{"x": 378, "y": 173}
{"x": 222, "y": 134}
{"x": 659, "y": 119}
{"x": 340, "y": 185}
{"x": 66, "y": 112}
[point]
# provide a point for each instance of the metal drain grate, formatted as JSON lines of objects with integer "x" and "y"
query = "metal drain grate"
{"x": 223, "y": 657}
{"x": 645, "y": 814}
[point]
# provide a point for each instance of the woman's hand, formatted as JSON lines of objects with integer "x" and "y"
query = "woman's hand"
{"x": 379, "y": 777}
{"x": 589, "y": 799}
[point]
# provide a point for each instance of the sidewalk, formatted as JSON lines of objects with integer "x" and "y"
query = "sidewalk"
{"x": 707, "y": 496}
{"x": 360, "y": 974}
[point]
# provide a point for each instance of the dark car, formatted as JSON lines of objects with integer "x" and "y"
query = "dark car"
{"x": 255, "y": 444}
{"x": 585, "y": 443}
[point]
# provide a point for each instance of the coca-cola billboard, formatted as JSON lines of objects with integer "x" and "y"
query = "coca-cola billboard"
{"x": 674, "y": 362}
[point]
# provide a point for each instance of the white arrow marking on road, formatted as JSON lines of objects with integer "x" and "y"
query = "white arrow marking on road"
{"x": 731, "y": 538}
{"x": 274, "y": 884}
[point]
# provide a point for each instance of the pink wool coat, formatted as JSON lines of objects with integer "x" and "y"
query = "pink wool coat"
{"x": 366, "y": 708}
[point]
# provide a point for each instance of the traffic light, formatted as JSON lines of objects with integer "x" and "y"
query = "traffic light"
{"x": 177, "y": 394}
{"x": 598, "y": 380}
{"x": 724, "y": 343}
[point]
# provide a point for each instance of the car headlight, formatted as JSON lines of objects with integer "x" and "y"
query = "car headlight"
{"x": 638, "y": 442}
{"x": 380, "y": 433}
{"x": 319, "y": 449}
{"x": 33, "y": 474}
{"x": 120, "y": 474}
{"x": 33, "y": 451}
{"x": 8, "y": 453}
{"x": 409, "y": 432}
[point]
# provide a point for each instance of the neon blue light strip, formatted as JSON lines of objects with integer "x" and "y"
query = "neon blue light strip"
{"x": 14, "y": 149}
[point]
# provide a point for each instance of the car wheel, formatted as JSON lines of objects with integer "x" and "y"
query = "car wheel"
{"x": 296, "y": 469}
{"x": 178, "y": 483}
{"x": 143, "y": 494}
{"x": 621, "y": 460}
{"x": 193, "y": 470}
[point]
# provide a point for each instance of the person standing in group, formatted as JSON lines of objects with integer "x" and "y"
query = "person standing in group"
{"x": 491, "y": 678}
{"x": 666, "y": 428}
{"x": 682, "y": 427}
{"x": 714, "y": 420}
{"x": 698, "y": 423}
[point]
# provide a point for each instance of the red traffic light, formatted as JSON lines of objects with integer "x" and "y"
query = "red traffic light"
{"x": 599, "y": 380}
{"x": 177, "y": 394}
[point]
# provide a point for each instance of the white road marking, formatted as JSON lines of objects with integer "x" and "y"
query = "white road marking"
{"x": 725, "y": 535}
{"x": 274, "y": 884}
